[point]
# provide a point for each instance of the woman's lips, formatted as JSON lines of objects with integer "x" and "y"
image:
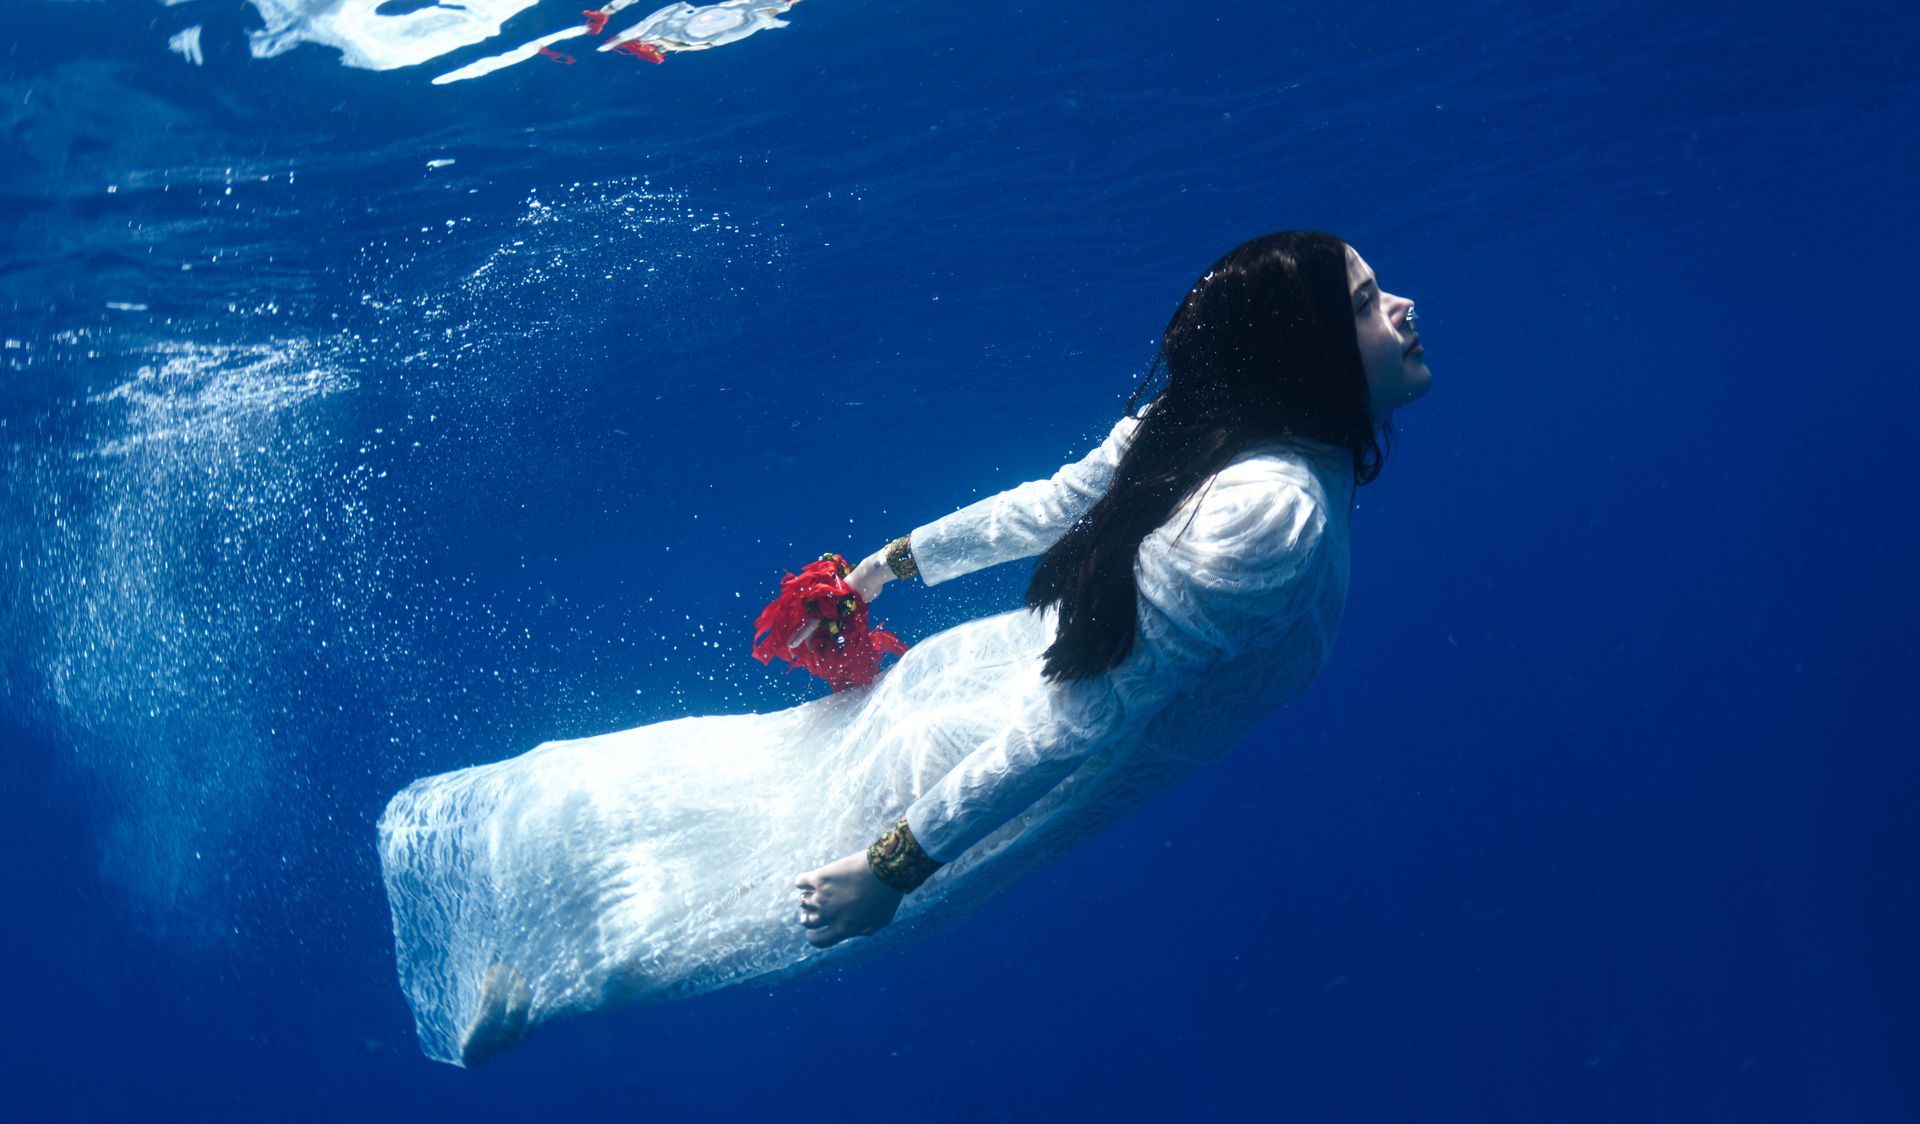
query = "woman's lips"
{"x": 1416, "y": 349}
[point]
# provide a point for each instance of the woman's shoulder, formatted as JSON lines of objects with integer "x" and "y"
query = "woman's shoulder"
{"x": 1266, "y": 505}
{"x": 1286, "y": 473}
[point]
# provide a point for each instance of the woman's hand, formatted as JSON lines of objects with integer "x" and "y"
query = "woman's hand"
{"x": 844, "y": 899}
{"x": 872, "y": 573}
{"x": 865, "y": 580}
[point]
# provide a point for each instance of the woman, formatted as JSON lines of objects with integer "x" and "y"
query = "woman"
{"x": 1193, "y": 573}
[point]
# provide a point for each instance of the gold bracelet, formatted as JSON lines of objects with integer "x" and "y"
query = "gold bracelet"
{"x": 900, "y": 557}
{"x": 898, "y": 860}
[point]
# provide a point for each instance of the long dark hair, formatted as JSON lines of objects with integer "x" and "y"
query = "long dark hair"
{"x": 1262, "y": 348}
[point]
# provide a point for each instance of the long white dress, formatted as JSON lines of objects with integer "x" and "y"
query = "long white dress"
{"x": 659, "y": 862}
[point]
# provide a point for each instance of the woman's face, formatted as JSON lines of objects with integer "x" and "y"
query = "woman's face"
{"x": 1390, "y": 349}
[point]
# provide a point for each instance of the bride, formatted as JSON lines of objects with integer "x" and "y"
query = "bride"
{"x": 1192, "y": 575}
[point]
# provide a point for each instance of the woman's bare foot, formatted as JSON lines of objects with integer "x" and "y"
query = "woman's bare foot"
{"x": 501, "y": 1020}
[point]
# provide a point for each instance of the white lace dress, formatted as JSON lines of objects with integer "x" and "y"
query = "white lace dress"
{"x": 659, "y": 862}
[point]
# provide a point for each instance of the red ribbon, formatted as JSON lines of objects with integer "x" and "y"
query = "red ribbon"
{"x": 844, "y": 650}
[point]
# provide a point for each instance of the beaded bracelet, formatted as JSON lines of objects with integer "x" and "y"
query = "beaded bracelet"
{"x": 898, "y": 860}
{"x": 900, "y": 557}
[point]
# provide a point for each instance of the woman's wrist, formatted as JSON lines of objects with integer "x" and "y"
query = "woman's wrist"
{"x": 895, "y": 560}
{"x": 898, "y": 860}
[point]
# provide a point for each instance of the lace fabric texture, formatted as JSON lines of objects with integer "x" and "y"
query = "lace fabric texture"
{"x": 658, "y": 862}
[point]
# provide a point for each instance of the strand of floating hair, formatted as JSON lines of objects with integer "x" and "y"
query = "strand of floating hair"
{"x": 481, "y": 67}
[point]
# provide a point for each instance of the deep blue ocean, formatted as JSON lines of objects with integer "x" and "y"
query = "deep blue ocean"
{"x": 355, "y": 428}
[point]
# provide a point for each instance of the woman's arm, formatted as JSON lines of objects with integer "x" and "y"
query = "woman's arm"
{"x": 1230, "y": 580}
{"x": 1232, "y": 577}
{"x": 1060, "y": 725}
{"x": 1019, "y": 522}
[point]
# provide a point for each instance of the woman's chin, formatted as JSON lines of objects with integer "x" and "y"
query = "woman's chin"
{"x": 1419, "y": 379}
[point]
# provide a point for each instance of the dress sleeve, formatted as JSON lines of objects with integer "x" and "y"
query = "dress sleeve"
{"x": 1019, "y": 522}
{"x": 1233, "y": 569}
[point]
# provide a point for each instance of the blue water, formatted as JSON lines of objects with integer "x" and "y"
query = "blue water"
{"x": 328, "y": 464}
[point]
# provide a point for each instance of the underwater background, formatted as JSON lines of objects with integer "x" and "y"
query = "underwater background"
{"x": 356, "y": 427}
